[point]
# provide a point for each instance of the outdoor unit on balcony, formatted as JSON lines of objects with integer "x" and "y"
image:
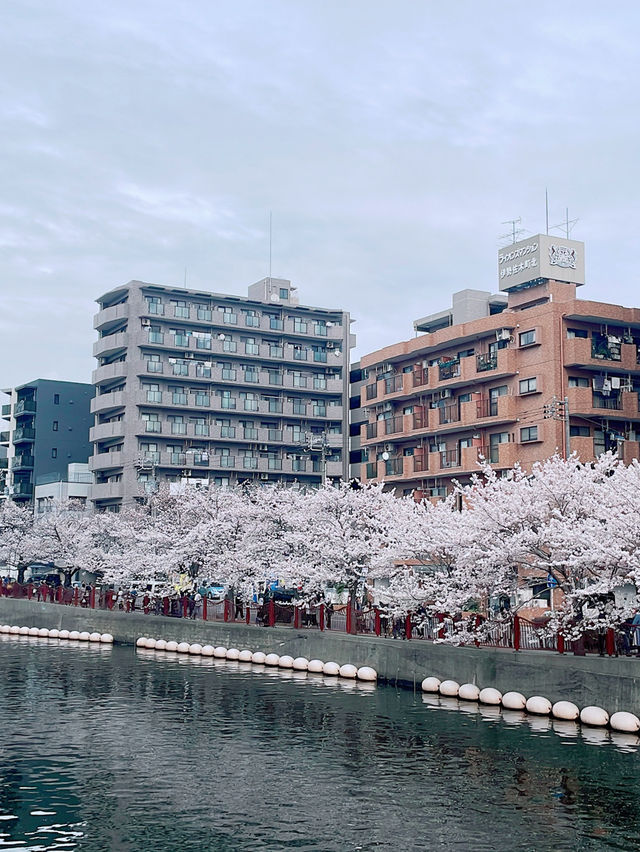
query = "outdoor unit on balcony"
{"x": 263, "y": 447}
{"x": 264, "y": 476}
{"x": 503, "y": 334}
{"x": 445, "y": 394}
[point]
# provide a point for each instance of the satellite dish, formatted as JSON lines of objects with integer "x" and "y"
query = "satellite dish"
{"x": 337, "y": 353}
{"x": 274, "y": 297}
{"x": 385, "y": 457}
{"x": 221, "y": 337}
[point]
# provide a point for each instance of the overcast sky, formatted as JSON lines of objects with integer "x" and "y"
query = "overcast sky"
{"x": 390, "y": 140}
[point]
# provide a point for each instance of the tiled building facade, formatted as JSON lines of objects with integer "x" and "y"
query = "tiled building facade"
{"x": 205, "y": 387}
{"x": 485, "y": 387}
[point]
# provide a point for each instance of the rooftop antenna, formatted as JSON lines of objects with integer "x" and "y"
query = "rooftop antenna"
{"x": 185, "y": 278}
{"x": 270, "y": 241}
{"x": 566, "y": 226}
{"x": 515, "y": 232}
{"x": 546, "y": 208}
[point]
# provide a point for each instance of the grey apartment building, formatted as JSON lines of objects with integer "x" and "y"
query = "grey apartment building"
{"x": 201, "y": 387}
{"x": 47, "y": 429}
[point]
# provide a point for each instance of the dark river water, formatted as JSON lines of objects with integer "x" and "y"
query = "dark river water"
{"x": 111, "y": 749}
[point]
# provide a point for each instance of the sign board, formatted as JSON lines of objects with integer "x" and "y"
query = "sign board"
{"x": 542, "y": 256}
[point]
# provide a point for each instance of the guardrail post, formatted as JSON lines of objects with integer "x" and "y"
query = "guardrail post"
{"x": 272, "y": 613}
{"x": 247, "y": 614}
{"x": 29, "y": 591}
{"x": 227, "y": 610}
{"x": 92, "y": 597}
{"x": 321, "y": 619}
{"x": 349, "y": 616}
{"x": 204, "y": 607}
{"x": 296, "y": 616}
{"x": 560, "y": 643}
{"x": 407, "y": 626}
{"x": 185, "y": 606}
{"x": 76, "y": 595}
{"x": 378, "y": 626}
{"x": 516, "y": 632}
{"x": 610, "y": 642}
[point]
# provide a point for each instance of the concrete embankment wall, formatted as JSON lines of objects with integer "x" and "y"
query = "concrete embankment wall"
{"x": 609, "y": 682}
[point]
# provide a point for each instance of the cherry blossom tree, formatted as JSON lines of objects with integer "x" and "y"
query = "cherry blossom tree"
{"x": 19, "y": 546}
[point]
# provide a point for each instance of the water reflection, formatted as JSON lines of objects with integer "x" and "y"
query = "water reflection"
{"x": 109, "y": 749}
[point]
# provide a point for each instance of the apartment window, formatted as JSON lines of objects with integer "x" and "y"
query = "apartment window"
{"x": 54, "y": 452}
{"x": 154, "y": 365}
{"x": 274, "y": 434}
{"x": 229, "y": 317}
{"x": 299, "y": 406}
{"x": 275, "y": 377}
{"x": 528, "y": 385}
{"x": 249, "y": 432}
{"x": 204, "y": 314}
{"x": 319, "y": 382}
{"x": 227, "y": 431}
{"x": 178, "y": 396}
{"x": 299, "y": 353}
{"x": 181, "y": 368}
{"x": 55, "y": 426}
{"x": 180, "y": 339}
{"x": 275, "y": 351}
{"x": 528, "y": 433}
{"x": 320, "y": 328}
{"x": 301, "y": 326}
{"x": 275, "y": 322}
{"x": 250, "y": 346}
{"x": 226, "y": 400}
{"x": 579, "y": 431}
{"x": 299, "y": 380}
{"x": 178, "y": 426}
{"x": 154, "y": 394}
{"x": 202, "y": 399}
{"x": 200, "y": 427}
{"x": 251, "y": 374}
{"x": 250, "y": 401}
{"x": 152, "y": 422}
{"x": 274, "y": 463}
{"x": 284, "y": 293}
{"x": 149, "y": 452}
{"x": 155, "y": 334}
{"x": 319, "y": 409}
{"x": 577, "y": 332}
{"x": 56, "y": 399}
{"x": 251, "y": 319}
{"x": 154, "y": 305}
{"x": 180, "y": 308}
{"x": 203, "y": 370}
{"x": 320, "y": 354}
{"x": 275, "y": 404}
{"x": 578, "y": 382}
{"x": 229, "y": 345}
{"x": 526, "y": 338}
{"x": 203, "y": 342}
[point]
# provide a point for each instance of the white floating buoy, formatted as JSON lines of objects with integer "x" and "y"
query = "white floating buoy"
{"x": 367, "y": 673}
{"x": 161, "y": 645}
{"x": 595, "y": 716}
{"x": 5, "y": 628}
{"x": 286, "y": 662}
{"x": 195, "y": 649}
{"x": 301, "y": 664}
{"x": 220, "y": 652}
{"x": 207, "y": 650}
{"x": 245, "y": 656}
{"x": 489, "y": 695}
{"x": 626, "y": 722}
{"x": 64, "y": 634}
{"x": 33, "y": 631}
{"x": 171, "y": 645}
{"x": 107, "y": 638}
{"x": 469, "y": 692}
{"x": 431, "y": 684}
{"x": 43, "y": 632}
{"x": 233, "y": 654}
{"x": 514, "y": 701}
{"x": 538, "y": 705}
{"x": 315, "y": 666}
{"x": 54, "y": 634}
{"x": 566, "y": 710}
{"x": 141, "y": 642}
{"x": 258, "y": 657}
{"x": 150, "y": 643}
{"x": 272, "y": 660}
{"x": 93, "y": 637}
{"x": 183, "y": 648}
{"x": 14, "y": 630}
{"x": 74, "y": 635}
{"x": 348, "y": 671}
{"x": 449, "y": 687}
{"x": 332, "y": 669}
{"x": 84, "y": 636}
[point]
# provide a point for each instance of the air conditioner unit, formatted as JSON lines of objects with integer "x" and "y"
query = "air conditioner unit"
{"x": 445, "y": 394}
{"x": 264, "y": 476}
{"x": 263, "y": 447}
{"x": 189, "y": 355}
{"x": 386, "y": 368}
{"x": 172, "y": 360}
{"x": 503, "y": 334}
{"x": 146, "y": 323}
{"x": 330, "y": 345}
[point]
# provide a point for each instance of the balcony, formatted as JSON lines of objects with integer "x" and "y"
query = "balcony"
{"x": 22, "y": 462}
{"x": 24, "y": 433}
{"x": 4, "y": 437}
{"x": 448, "y": 370}
{"x": 486, "y": 362}
{"x": 21, "y": 489}
{"x": 25, "y": 407}
{"x": 589, "y": 353}
{"x": 114, "y": 429}
{"x": 501, "y": 408}
{"x": 107, "y": 402}
{"x": 110, "y": 344}
{"x": 5, "y": 411}
{"x": 107, "y": 316}
{"x": 117, "y": 370}
{"x": 588, "y": 403}
{"x": 106, "y": 461}
{"x": 106, "y": 491}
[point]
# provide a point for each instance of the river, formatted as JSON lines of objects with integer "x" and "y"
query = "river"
{"x": 113, "y": 749}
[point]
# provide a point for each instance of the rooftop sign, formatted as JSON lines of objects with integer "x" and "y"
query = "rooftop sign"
{"x": 542, "y": 256}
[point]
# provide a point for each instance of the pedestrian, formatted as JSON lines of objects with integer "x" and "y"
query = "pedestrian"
{"x": 239, "y": 610}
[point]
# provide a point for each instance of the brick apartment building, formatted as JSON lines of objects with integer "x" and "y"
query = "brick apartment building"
{"x": 488, "y": 378}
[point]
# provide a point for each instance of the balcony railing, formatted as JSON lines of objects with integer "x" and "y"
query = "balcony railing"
{"x": 611, "y": 403}
{"x": 372, "y": 390}
{"x": 372, "y": 470}
{"x": 486, "y": 408}
{"x": 393, "y": 384}
{"x": 25, "y": 434}
{"x": 420, "y": 461}
{"x": 393, "y": 425}
{"x": 486, "y": 362}
{"x": 448, "y": 370}
{"x": 393, "y": 467}
{"x": 449, "y": 413}
{"x": 420, "y": 376}
{"x": 449, "y": 458}
{"x": 372, "y": 430}
{"x": 26, "y": 406}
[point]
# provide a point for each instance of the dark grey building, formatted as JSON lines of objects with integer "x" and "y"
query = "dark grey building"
{"x": 202, "y": 387}
{"x": 48, "y": 428}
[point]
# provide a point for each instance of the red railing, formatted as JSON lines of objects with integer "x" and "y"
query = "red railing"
{"x": 516, "y": 633}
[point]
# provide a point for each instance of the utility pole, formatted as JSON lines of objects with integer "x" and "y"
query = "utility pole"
{"x": 144, "y": 464}
{"x": 558, "y": 409}
{"x": 313, "y": 443}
